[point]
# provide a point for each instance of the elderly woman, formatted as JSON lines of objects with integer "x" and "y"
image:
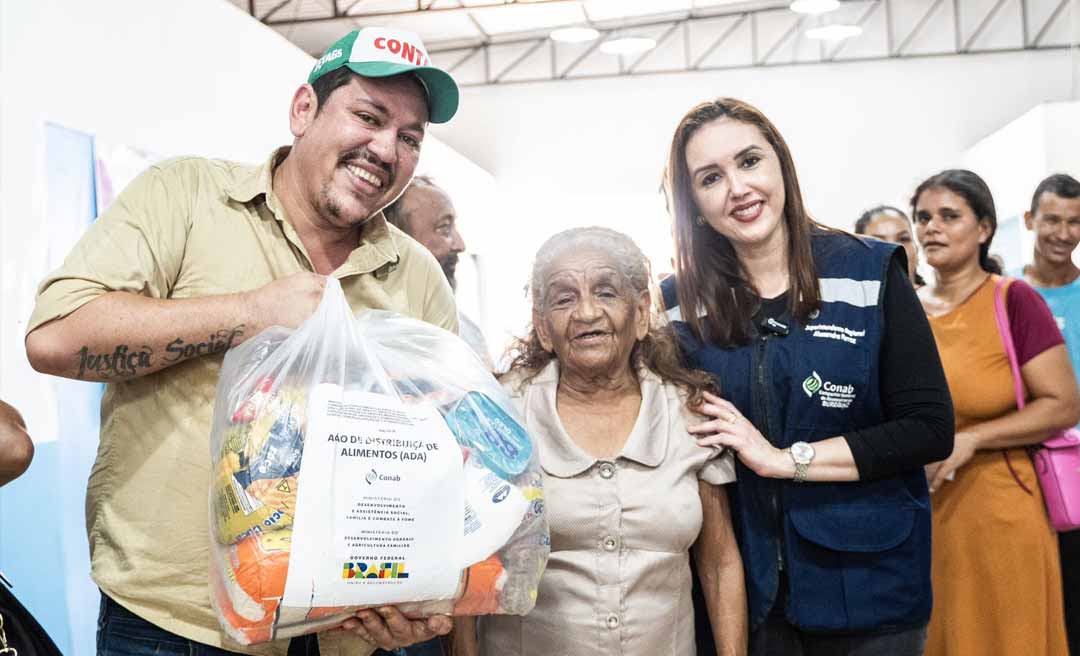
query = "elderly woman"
{"x": 629, "y": 492}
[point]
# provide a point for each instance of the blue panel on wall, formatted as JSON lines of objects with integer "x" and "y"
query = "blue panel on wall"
{"x": 43, "y": 546}
{"x": 32, "y": 549}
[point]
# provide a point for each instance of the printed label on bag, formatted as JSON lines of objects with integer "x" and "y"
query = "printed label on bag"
{"x": 380, "y": 503}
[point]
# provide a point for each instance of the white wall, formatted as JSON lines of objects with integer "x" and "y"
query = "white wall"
{"x": 591, "y": 151}
{"x": 1014, "y": 159}
{"x": 1063, "y": 135}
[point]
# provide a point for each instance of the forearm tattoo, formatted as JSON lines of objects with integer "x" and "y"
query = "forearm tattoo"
{"x": 121, "y": 363}
{"x": 218, "y": 342}
{"x": 128, "y": 362}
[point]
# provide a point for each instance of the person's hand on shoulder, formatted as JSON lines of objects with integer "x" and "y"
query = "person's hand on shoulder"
{"x": 729, "y": 428}
{"x": 16, "y": 448}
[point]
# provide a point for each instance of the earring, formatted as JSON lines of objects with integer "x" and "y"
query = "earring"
{"x": 700, "y": 220}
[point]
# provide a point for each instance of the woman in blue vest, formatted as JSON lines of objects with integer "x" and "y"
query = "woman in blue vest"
{"x": 834, "y": 395}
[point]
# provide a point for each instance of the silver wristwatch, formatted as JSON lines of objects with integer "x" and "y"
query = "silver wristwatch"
{"x": 803, "y": 454}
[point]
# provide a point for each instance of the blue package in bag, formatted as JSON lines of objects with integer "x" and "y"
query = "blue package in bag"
{"x": 481, "y": 425}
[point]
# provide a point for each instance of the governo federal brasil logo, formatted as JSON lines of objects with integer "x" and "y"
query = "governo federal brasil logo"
{"x": 812, "y": 384}
{"x": 385, "y": 570}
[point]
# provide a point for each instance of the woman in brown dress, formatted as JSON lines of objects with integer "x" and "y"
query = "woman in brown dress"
{"x": 997, "y": 583}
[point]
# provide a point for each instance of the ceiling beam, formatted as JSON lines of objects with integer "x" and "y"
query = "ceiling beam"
{"x": 919, "y": 27}
{"x": 982, "y": 26}
{"x": 734, "y": 67}
{"x": 791, "y": 31}
{"x": 419, "y": 10}
{"x": 659, "y": 42}
{"x": 861, "y": 22}
{"x": 761, "y": 49}
{"x": 1049, "y": 23}
{"x": 720, "y": 41}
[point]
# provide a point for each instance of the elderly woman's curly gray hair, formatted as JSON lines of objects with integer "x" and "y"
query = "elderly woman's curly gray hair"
{"x": 658, "y": 350}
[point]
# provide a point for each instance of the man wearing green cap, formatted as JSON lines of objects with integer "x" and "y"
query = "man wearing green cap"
{"x": 195, "y": 257}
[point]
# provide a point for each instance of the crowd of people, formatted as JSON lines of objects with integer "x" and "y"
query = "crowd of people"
{"x": 810, "y": 449}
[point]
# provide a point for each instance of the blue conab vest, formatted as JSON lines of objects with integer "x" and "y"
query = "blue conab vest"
{"x": 856, "y": 555}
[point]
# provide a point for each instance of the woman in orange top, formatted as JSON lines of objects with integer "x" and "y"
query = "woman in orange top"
{"x": 996, "y": 578}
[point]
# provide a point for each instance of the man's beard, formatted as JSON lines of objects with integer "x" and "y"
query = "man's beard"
{"x": 329, "y": 204}
{"x": 449, "y": 266}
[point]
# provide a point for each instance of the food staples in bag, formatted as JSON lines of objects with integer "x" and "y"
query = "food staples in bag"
{"x": 249, "y": 594}
{"x": 493, "y": 511}
{"x": 274, "y": 451}
{"x": 480, "y": 424}
{"x": 415, "y": 390}
{"x": 250, "y": 582}
{"x": 374, "y": 458}
{"x": 256, "y": 481}
{"x": 262, "y": 506}
{"x": 482, "y": 583}
{"x": 254, "y": 403}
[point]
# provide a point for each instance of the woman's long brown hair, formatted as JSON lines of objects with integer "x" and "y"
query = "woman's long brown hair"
{"x": 710, "y": 279}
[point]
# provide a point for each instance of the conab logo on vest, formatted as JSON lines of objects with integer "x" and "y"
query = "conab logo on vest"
{"x": 832, "y": 395}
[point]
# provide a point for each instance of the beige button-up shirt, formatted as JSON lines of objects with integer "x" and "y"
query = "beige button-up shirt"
{"x": 618, "y": 578}
{"x": 190, "y": 228}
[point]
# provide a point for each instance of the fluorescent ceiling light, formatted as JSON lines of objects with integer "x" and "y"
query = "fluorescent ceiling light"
{"x": 574, "y": 34}
{"x": 833, "y": 32}
{"x": 814, "y": 6}
{"x": 627, "y": 45}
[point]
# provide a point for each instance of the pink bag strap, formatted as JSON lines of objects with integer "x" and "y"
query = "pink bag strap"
{"x": 1001, "y": 314}
{"x": 1002, "y": 317}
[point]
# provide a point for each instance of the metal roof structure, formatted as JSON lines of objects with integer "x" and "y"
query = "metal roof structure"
{"x": 485, "y": 42}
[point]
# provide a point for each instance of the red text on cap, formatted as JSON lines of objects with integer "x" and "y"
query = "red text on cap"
{"x": 403, "y": 49}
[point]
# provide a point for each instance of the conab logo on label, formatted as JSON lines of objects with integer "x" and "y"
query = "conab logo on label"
{"x": 831, "y": 394}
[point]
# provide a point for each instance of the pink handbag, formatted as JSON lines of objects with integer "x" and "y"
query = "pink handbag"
{"x": 1057, "y": 460}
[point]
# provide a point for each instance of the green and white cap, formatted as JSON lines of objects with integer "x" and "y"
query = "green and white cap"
{"x": 383, "y": 52}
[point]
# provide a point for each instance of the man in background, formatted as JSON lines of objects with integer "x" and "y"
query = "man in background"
{"x": 1054, "y": 217}
{"x": 426, "y": 213}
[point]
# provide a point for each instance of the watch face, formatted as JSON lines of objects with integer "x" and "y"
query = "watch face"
{"x": 802, "y": 453}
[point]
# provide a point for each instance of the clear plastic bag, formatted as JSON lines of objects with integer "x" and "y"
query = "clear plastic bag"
{"x": 362, "y": 461}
